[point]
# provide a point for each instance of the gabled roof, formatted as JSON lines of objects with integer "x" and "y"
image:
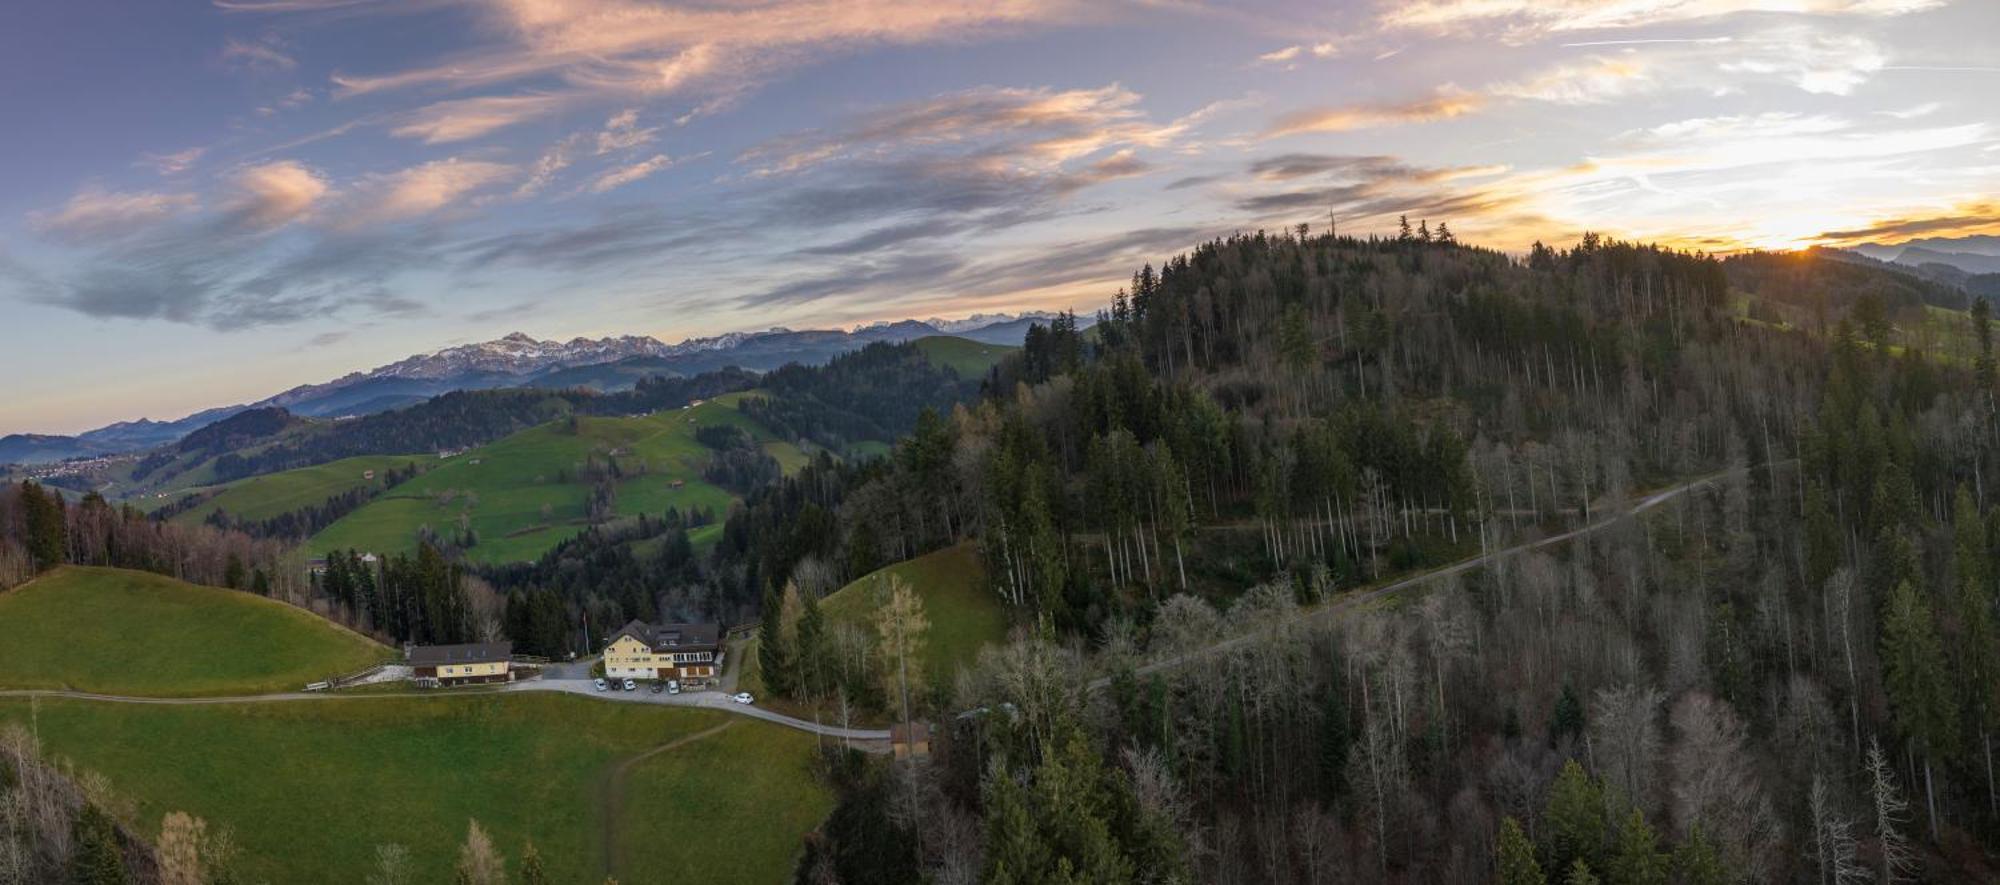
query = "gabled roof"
{"x": 671, "y": 637}
{"x": 469, "y": 653}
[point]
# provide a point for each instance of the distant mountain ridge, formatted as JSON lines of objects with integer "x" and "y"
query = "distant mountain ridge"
{"x": 521, "y": 360}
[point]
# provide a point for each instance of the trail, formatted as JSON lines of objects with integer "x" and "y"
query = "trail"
{"x": 611, "y": 792}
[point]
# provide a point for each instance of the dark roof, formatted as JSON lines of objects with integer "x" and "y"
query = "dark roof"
{"x": 671, "y": 637}
{"x": 911, "y": 733}
{"x": 469, "y": 653}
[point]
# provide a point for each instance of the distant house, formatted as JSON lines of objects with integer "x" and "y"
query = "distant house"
{"x": 677, "y": 483}
{"x": 367, "y": 474}
{"x": 468, "y": 664}
{"x": 690, "y": 653}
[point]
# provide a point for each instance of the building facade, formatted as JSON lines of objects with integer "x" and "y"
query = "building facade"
{"x": 688, "y": 653}
{"x": 469, "y": 664}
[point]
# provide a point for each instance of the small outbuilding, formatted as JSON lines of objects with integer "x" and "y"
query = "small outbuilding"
{"x": 910, "y": 740}
{"x": 474, "y": 663}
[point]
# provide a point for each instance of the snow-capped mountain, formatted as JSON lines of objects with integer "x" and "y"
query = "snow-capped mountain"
{"x": 519, "y": 354}
{"x": 979, "y": 321}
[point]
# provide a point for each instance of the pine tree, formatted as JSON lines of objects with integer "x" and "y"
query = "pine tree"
{"x": 1516, "y": 856}
{"x": 1915, "y": 677}
{"x": 43, "y": 515}
{"x": 1698, "y": 862}
{"x": 94, "y": 857}
{"x": 809, "y": 648}
{"x": 774, "y": 653}
{"x": 1580, "y": 874}
{"x": 1574, "y": 820}
{"x": 1638, "y": 860}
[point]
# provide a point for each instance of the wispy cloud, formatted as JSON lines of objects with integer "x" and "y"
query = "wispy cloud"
{"x": 174, "y": 163}
{"x": 264, "y": 55}
{"x": 624, "y": 175}
{"x": 468, "y": 118}
{"x": 426, "y": 188}
{"x": 1977, "y": 217}
{"x": 94, "y": 213}
{"x": 1523, "y": 19}
{"x": 1346, "y": 118}
{"x": 622, "y": 132}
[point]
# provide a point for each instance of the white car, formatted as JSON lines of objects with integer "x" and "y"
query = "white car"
{"x": 742, "y": 697}
{"x": 673, "y": 686}
{"x": 631, "y": 686}
{"x": 601, "y": 686}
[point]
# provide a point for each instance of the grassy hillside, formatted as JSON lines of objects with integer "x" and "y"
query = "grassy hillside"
{"x": 310, "y": 788}
{"x": 970, "y": 359}
{"x": 125, "y": 632}
{"x": 965, "y": 616}
{"x": 525, "y": 493}
{"x": 263, "y": 497}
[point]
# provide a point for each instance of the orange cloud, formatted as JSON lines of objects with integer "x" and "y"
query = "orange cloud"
{"x": 467, "y": 118}
{"x": 271, "y": 195}
{"x": 1371, "y": 116}
{"x": 424, "y": 189}
{"x": 1979, "y": 217}
{"x": 94, "y": 213}
{"x": 625, "y": 175}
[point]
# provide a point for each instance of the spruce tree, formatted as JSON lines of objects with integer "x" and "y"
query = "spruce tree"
{"x": 95, "y": 858}
{"x": 774, "y": 657}
{"x": 1574, "y": 820}
{"x": 1638, "y": 860}
{"x": 1516, "y": 856}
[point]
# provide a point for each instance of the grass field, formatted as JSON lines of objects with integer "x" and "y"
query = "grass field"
{"x": 310, "y": 788}
{"x": 134, "y": 633}
{"x": 969, "y": 358}
{"x": 522, "y": 494}
{"x": 263, "y": 497}
{"x": 965, "y": 616}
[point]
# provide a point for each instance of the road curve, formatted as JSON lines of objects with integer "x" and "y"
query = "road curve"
{"x": 866, "y": 738}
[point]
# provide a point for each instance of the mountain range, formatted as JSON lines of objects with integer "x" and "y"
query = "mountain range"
{"x": 1979, "y": 254}
{"x": 521, "y": 360}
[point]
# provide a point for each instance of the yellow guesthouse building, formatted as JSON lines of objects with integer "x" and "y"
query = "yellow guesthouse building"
{"x": 688, "y": 653}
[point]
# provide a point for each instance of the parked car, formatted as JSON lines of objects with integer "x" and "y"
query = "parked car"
{"x": 659, "y": 687}
{"x": 673, "y": 686}
{"x": 742, "y": 697}
{"x": 600, "y": 685}
{"x": 631, "y": 686}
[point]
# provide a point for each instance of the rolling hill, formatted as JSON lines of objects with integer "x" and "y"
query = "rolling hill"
{"x": 124, "y": 632}
{"x": 964, "y": 616}
{"x": 523, "y": 494}
{"x": 266, "y": 496}
{"x": 969, "y": 358}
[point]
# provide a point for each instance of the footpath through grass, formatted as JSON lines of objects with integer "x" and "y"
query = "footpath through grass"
{"x": 311, "y": 787}
{"x": 114, "y": 631}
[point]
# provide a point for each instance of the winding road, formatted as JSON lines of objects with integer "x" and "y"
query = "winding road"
{"x": 876, "y": 740}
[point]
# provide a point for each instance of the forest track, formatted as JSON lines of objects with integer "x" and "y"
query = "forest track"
{"x": 1358, "y": 598}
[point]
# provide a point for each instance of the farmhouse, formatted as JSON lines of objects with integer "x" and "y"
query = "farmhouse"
{"x": 690, "y": 653}
{"x": 478, "y": 662}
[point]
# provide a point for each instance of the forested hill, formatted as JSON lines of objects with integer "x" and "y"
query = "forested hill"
{"x": 1742, "y": 687}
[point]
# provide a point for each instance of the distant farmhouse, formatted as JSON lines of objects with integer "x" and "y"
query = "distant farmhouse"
{"x": 472, "y": 663}
{"x": 689, "y": 653}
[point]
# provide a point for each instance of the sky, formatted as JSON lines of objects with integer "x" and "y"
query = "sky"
{"x": 204, "y": 204}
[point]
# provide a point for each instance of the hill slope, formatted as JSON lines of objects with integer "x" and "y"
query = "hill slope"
{"x": 266, "y": 496}
{"x": 964, "y": 616}
{"x": 527, "y": 492}
{"x": 124, "y": 632}
{"x": 969, "y": 358}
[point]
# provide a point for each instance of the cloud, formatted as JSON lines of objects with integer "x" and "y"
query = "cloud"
{"x": 1029, "y": 126}
{"x": 94, "y": 213}
{"x": 468, "y": 118}
{"x": 622, "y": 132}
{"x": 1346, "y": 118}
{"x": 1978, "y": 217}
{"x": 1295, "y": 51}
{"x": 260, "y": 56}
{"x": 427, "y": 188}
{"x": 174, "y": 163}
{"x": 271, "y": 195}
{"x": 326, "y": 339}
{"x": 1525, "y": 19}
{"x": 625, "y": 175}
{"x": 553, "y": 161}
{"x": 627, "y": 49}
